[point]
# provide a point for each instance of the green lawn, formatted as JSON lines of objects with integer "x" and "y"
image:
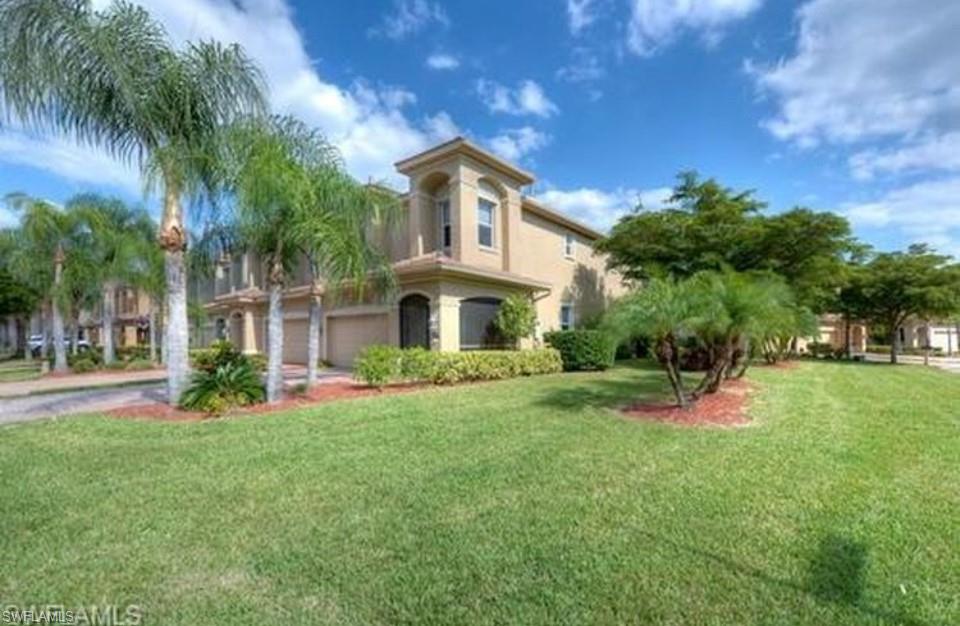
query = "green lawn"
{"x": 521, "y": 502}
{"x": 16, "y": 370}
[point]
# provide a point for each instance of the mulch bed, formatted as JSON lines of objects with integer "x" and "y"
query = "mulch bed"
{"x": 724, "y": 408}
{"x": 320, "y": 394}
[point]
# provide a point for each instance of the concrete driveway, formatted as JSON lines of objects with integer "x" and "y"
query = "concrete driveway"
{"x": 57, "y": 404}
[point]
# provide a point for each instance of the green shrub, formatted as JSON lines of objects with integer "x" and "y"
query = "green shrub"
{"x": 139, "y": 365}
{"x": 258, "y": 361}
{"x": 133, "y": 353}
{"x": 457, "y": 367}
{"x": 417, "y": 364}
{"x": 883, "y": 349}
{"x": 378, "y": 365}
{"x": 219, "y": 354}
{"x": 116, "y": 365}
{"x": 236, "y": 383}
{"x": 82, "y": 366}
{"x": 516, "y": 318}
{"x": 93, "y": 356}
{"x": 583, "y": 349}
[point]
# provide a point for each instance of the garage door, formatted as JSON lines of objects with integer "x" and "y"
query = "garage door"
{"x": 295, "y": 341}
{"x": 346, "y": 336}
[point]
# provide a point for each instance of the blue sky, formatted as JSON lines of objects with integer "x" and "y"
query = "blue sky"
{"x": 844, "y": 105}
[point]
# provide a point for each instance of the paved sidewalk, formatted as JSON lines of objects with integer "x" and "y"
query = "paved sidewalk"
{"x": 950, "y": 364}
{"x": 28, "y": 408}
{"x": 73, "y": 382}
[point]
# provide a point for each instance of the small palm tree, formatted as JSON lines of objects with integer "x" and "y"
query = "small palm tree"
{"x": 663, "y": 311}
{"x": 124, "y": 252}
{"x": 112, "y": 78}
{"x": 292, "y": 198}
{"x": 47, "y": 235}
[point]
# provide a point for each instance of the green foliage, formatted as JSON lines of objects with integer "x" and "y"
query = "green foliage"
{"x": 895, "y": 286}
{"x": 477, "y": 365}
{"x": 231, "y": 384}
{"x": 710, "y": 227}
{"x": 380, "y": 365}
{"x": 133, "y": 353}
{"x": 583, "y": 349}
{"x": 516, "y": 318}
{"x": 83, "y": 364}
{"x": 135, "y": 365}
{"x": 220, "y": 353}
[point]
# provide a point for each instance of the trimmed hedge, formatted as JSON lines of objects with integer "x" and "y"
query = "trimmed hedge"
{"x": 379, "y": 365}
{"x": 885, "y": 349}
{"x": 583, "y": 349}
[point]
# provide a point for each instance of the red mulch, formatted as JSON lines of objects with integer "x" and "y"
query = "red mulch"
{"x": 321, "y": 393}
{"x": 724, "y": 408}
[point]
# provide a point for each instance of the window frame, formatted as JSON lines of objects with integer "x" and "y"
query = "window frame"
{"x": 570, "y": 323}
{"x": 569, "y": 245}
{"x": 489, "y": 198}
{"x": 445, "y": 223}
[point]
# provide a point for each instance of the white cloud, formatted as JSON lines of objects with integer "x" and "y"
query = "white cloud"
{"x": 409, "y": 17}
{"x": 516, "y": 143}
{"x": 371, "y": 124}
{"x": 527, "y": 99}
{"x": 929, "y": 153}
{"x": 655, "y": 24}
{"x": 442, "y": 61}
{"x": 580, "y": 14}
{"x": 601, "y": 209}
{"x": 584, "y": 66}
{"x": 927, "y": 212}
{"x": 862, "y": 72}
{"x": 68, "y": 160}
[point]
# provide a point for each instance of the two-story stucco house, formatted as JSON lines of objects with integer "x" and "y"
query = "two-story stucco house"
{"x": 470, "y": 238}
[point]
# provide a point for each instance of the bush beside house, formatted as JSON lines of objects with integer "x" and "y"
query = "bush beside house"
{"x": 583, "y": 349}
{"x": 380, "y": 365}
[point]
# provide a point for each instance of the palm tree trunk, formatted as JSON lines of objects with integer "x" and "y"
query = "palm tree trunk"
{"x": 275, "y": 342}
{"x": 75, "y": 342}
{"x": 313, "y": 341}
{"x": 44, "y": 335}
{"x": 153, "y": 331}
{"x": 173, "y": 240}
{"x": 106, "y": 321}
{"x": 59, "y": 352}
{"x": 178, "y": 331}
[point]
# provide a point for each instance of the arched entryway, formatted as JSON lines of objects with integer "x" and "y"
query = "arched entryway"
{"x": 477, "y": 330}
{"x": 415, "y": 321}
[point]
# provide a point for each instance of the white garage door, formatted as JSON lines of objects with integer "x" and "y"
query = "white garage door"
{"x": 346, "y": 336}
{"x": 295, "y": 341}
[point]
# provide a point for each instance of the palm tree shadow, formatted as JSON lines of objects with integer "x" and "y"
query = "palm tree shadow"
{"x": 588, "y": 390}
{"x": 836, "y": 575}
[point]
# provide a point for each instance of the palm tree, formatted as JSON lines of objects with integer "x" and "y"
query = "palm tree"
{"x": 663, "y": 311}
{"x": 338, "y": 232}
{"x": 46, "y": 232}
{"x": 112, "y": 79}
{"x": 292, "y": 198}
{"x": 125, "y": 254}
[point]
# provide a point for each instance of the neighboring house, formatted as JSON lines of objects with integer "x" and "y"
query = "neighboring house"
{"x": 470, "y": 238}
{"x": 937, "y": 334}
{"x": 833, "y": 330}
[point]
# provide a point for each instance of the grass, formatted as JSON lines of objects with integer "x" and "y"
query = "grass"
{"x": 16, "y": 370}
{"x": 525, "y": 501}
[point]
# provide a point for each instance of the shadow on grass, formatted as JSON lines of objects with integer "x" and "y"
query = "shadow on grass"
{"x": 836, "y": 575}
{"x": 638, "y": 381}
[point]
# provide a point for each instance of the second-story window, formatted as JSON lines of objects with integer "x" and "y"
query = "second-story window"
{"x": 487, "y": 201}
{"x": 485, "y": 210}
{"x": 443, "y": 218}
{"x": 569, "y": 245}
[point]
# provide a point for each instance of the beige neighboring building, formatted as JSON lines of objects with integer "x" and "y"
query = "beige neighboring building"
{"x": 470, "y": 238}
{"x": 832, "y": 330}
{"x": 941, "y": 335}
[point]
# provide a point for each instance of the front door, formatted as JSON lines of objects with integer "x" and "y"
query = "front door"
{"x": 415, "y": 322}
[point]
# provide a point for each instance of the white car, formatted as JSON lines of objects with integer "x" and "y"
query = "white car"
{"x": 36, "y": 343}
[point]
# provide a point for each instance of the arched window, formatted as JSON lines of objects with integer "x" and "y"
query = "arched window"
{"x": 488, "y": 199}
{"x": 477, "y": 330}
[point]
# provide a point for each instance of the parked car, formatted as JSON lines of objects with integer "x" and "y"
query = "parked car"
{"x": 36, "y": 343}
